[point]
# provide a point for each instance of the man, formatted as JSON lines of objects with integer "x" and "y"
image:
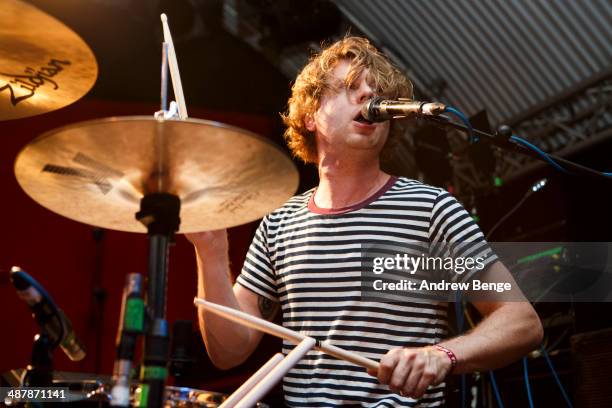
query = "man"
{"x": 305, "y": 257}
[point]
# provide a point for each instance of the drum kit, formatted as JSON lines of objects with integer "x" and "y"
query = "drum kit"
{"x": 157, "y": 175}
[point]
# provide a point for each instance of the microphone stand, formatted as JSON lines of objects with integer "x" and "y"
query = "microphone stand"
{"x": 39, "y": 372}
{"x": 99, "y": 296}
{"x": 502, "y": 140}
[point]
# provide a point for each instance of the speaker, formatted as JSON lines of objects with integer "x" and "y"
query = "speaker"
{"x": 592, "y": 361}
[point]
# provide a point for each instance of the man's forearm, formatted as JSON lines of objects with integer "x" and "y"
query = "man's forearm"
{"x": 225, "y": 340}
{"x": 507, "y": 333}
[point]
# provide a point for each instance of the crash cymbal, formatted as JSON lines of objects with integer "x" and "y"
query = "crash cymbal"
{"x": 96, "y": 172}
{"x": 43, "y": 64}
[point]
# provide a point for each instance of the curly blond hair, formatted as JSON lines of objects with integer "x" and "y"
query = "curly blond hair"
{"x": 314, "y": 80}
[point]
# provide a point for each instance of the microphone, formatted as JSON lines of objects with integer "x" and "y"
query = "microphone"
{"x": 131, "y": 325}
{"x": 380, "y": 110}
{"x": 50, "y": 317}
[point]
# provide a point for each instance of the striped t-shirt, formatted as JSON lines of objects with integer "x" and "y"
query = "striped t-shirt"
{"x": 309, "y": 260}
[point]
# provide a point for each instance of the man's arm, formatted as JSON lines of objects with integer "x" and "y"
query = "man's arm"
{"x": 510, "y": 329}
{"x": 228, "y": 343}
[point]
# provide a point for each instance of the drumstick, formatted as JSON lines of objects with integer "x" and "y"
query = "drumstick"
{"x": 174, "y": 71}
{"x": 284, "y": 333}
{"x": 252, "y": 382}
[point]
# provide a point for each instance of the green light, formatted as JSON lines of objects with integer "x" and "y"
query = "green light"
{"x": 542, "y": 254}
{"x": 497, "y": 181}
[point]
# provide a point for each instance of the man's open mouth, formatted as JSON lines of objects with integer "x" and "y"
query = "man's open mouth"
{"x": 359, "y": 118}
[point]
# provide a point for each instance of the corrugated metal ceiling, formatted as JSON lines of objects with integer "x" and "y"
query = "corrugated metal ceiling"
{"x": 505, "y": 56}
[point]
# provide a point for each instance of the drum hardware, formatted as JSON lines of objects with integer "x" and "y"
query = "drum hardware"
{"x": 184, "y": 397}
{"x": 45, "y": 65}
{"x": 99, "y": 296}
{"x": 182, "y": 175}
{"x": 94, "y": 390}
{"x": 159, "y": 213}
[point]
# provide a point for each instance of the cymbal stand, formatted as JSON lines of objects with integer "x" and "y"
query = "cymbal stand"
{"x": 159, "y": 212}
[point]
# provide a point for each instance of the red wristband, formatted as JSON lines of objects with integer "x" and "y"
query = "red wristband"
{"x": 450, "y": 354}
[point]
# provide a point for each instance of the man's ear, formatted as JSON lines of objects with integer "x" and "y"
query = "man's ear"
{"x": 309, "y": 122}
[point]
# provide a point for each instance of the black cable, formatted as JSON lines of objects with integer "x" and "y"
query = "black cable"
{"x": 537, "y": 186}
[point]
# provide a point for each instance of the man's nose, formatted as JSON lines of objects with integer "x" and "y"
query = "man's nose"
{"x": 364, "y": 93}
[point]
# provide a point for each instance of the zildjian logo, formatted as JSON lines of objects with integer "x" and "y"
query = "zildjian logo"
{"x": 98, "y": 173}
{"x": 32, "y": 80}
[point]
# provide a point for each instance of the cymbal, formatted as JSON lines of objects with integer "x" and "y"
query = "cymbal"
{"x": 96, "y": 172}
{"x": 44, "y": 65}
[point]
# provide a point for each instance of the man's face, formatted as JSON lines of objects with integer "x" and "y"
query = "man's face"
{"x": 338, "y": 124}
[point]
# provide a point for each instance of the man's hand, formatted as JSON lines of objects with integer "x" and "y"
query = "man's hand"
{"x": 409, "y": 371}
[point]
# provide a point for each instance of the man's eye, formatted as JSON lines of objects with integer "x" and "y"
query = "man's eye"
{"x": 336, "y": 87}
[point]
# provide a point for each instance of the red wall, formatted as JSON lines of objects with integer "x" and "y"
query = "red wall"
{"x": 61, "y": 253}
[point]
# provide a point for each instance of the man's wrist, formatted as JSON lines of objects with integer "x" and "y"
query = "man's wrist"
{"x": 450, "y": 355}
{"x": 212, "y": 247}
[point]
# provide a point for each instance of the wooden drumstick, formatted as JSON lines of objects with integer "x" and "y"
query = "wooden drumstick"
{"x": 174, "y": 71}
{"x": 284, "y": 333}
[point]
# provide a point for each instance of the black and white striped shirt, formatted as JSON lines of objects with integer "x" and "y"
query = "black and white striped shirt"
{"x": 309, "y": 260}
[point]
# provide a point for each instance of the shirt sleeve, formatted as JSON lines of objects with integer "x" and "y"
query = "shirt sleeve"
{"x": 454, "y": 234}
{"x": 258, "y": 273}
